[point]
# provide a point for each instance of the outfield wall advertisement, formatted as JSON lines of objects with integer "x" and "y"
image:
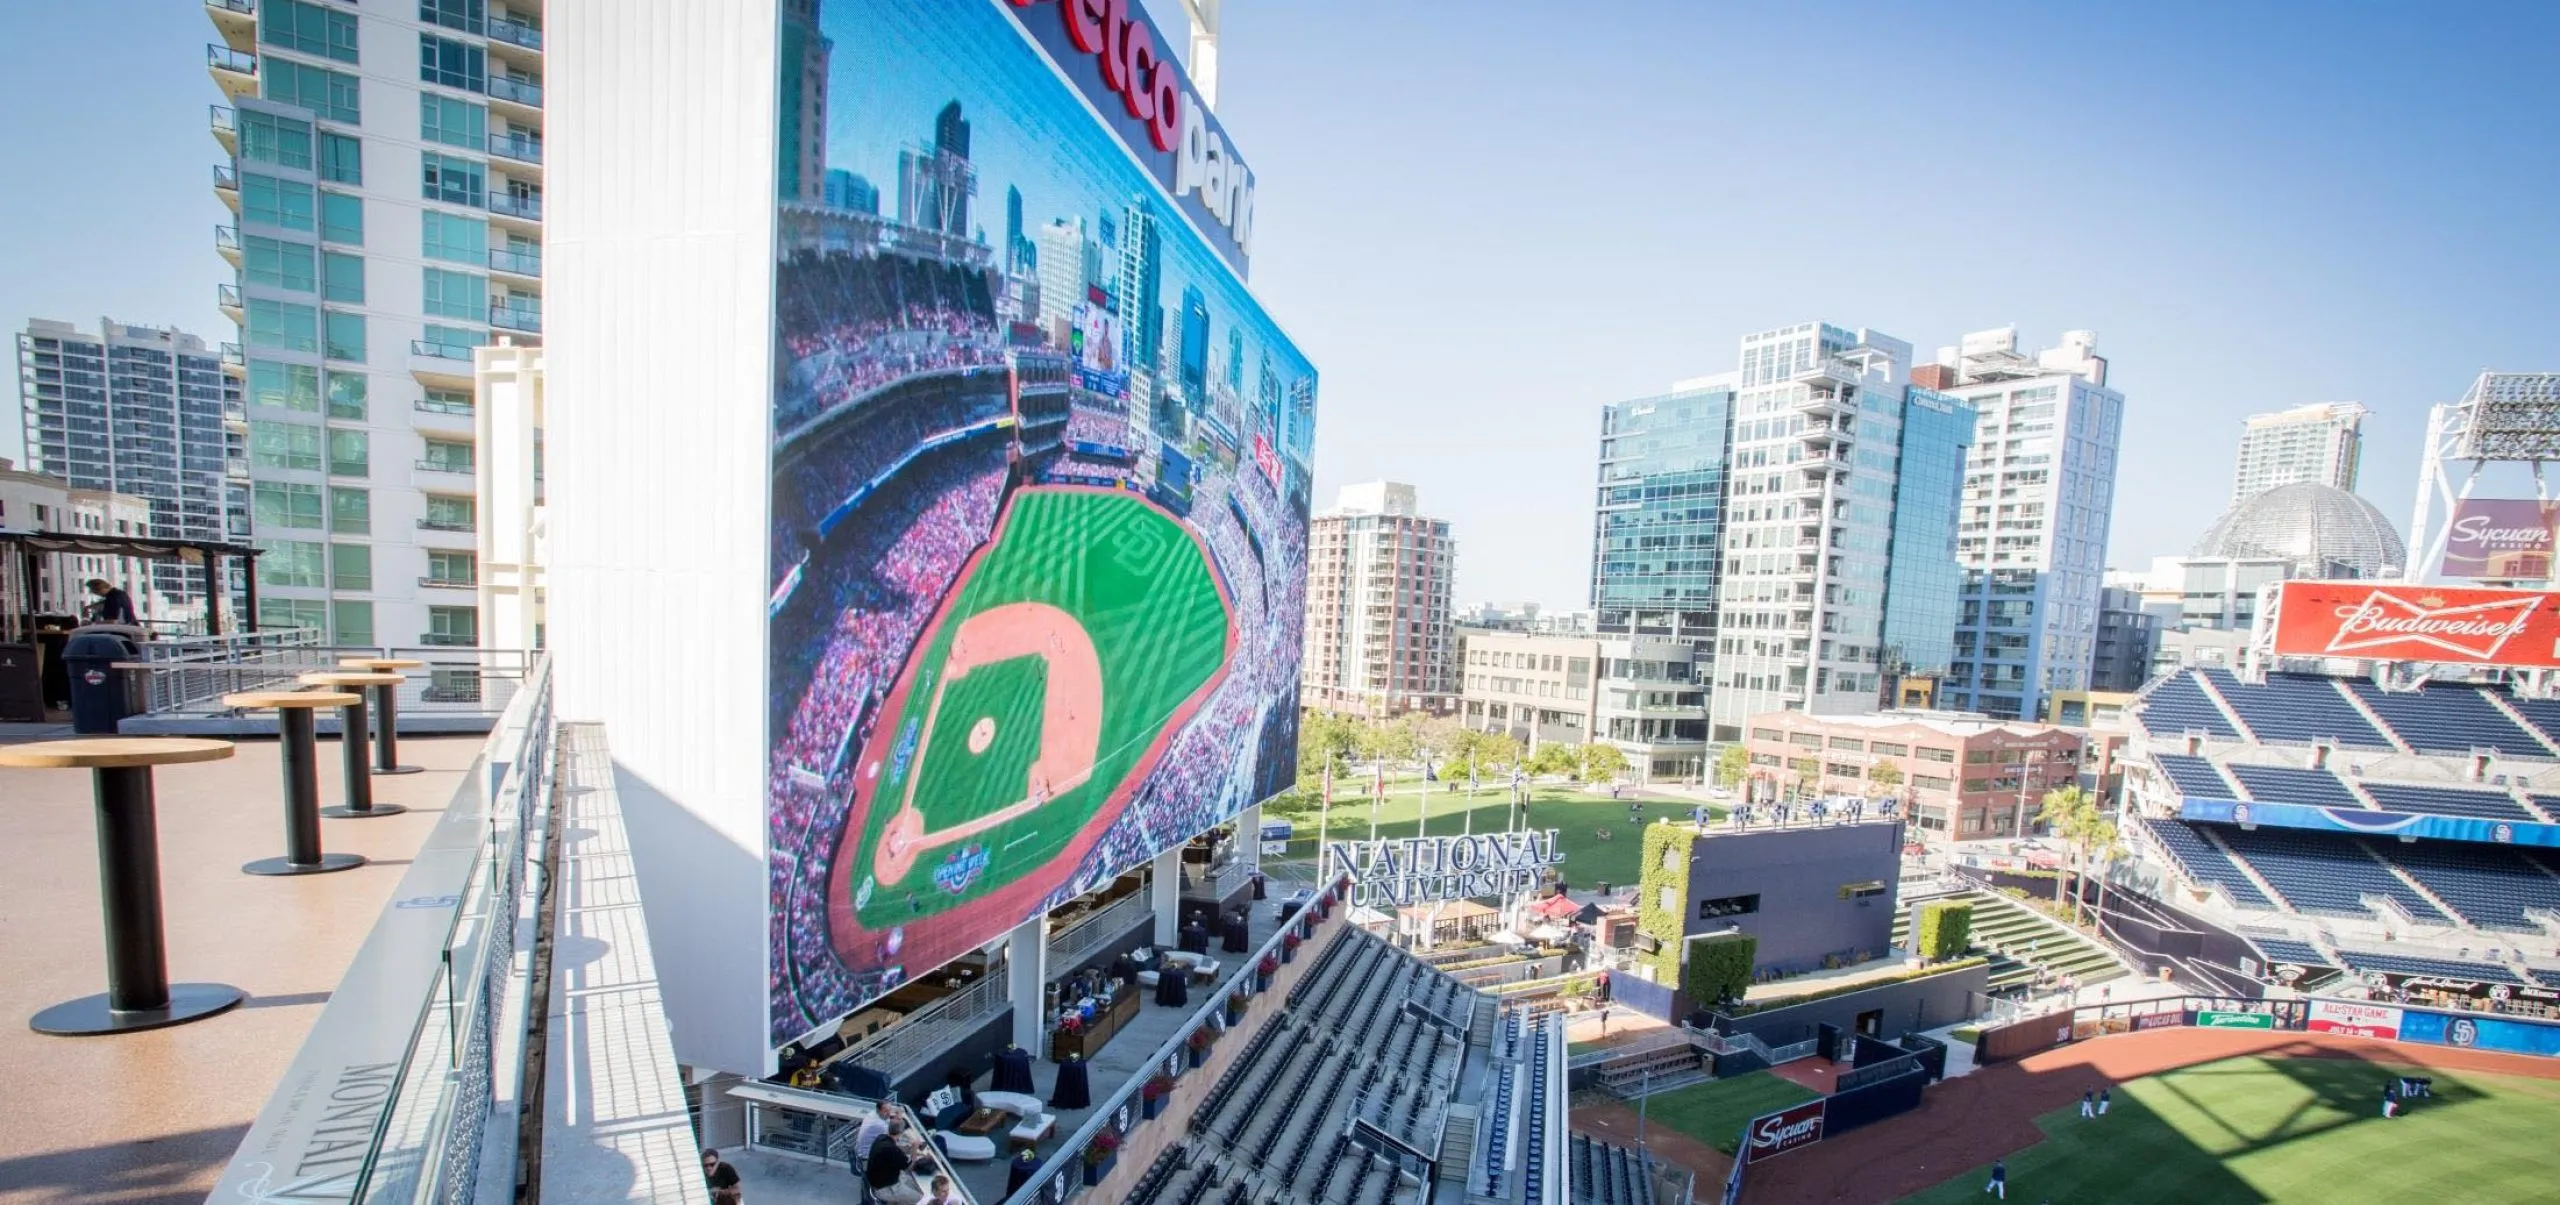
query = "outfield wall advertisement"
{"x": 2353, "y": 1019}
{"x": 2369, "y": 822}
{"x": 1010, "y": 658}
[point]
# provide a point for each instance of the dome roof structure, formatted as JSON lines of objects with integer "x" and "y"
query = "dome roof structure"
{"x": 2322, "y": 530}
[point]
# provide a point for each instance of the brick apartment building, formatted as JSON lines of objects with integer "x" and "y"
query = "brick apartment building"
{"x": 1961, "y": 777}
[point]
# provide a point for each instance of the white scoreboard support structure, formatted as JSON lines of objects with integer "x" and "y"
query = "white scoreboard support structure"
{"x": 2505, "y": 417}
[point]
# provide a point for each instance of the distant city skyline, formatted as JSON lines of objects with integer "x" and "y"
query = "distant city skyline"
{"x": 2246, "y": 230}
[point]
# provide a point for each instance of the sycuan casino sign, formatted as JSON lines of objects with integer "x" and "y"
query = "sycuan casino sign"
{"x": 1132, "y": 73}
{"x": 1421, "y": 870}
{"x": 1785, "y": 1130}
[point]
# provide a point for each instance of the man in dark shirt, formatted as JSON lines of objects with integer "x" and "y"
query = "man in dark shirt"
{"x": 113, "y": 605}
{"x": 722, "y": 1178}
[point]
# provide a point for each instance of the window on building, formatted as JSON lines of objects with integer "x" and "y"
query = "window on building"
{"x": 1888, "y": 749}
{"x": 465, "y": 15}
{"x": 1766, "y": 734}
{"x": 1926, "y": 782}
{"x": 276, "y": 614}
{"x": 269, "y": 138}
{"x": 352, "y": 620}
{"x": 278, "y": 264}
{"x": 351, "y": 566}
{"x": 335, "y": 95}
{"x": 453, "y": 339}
{"x": 343, "y": 276}
{"x": 1928, "y": 753}
{"x": 452, "y": 625}
{"x": 341, "y": 159}
{"x": 453, "y": 568}
{"x": 450, "y": 236}
{"x": 448, "y": 456}
{"x": 1861, "y": 891}
{"x": 350, "y": 511}
{"x": 268, "y": 201}
{"x": 1975, "y": 786}
{"x": 347, "y": 395}
{"x": 285, "y": 504}
{"x": 298, "y": 25}
{"x": 284, "y": 386}
{"x": 453, "y": 121}
{"x": 454, "y": 181}
{"x": 344, "y": 336}
{"x": 448, "y": 513}
{"x": 341, "y": 219}
{"x": 291, "y": 563}
{"x": 284, "y": 446}
{"x": 1850, "y": 743}
{"x": 1844, "y": 770}
{"x": 1728, "y": 905}
{"x": 452, "y": 64}
{"x": 456, "y": 294}
{"x": 349, "y": 453}
{"x": 283, "y": 325}
{"x": 1808, "y": 740}
{"x": 1978, "y": 757}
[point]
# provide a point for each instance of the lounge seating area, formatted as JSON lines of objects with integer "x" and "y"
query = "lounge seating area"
{"x": 2297, "y": 709}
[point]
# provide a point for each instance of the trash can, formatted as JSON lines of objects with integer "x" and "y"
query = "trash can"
{"x": 101, "y": 694}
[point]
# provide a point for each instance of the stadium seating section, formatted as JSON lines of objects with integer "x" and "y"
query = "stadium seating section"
{"x": 2285, "y": 784}
{"x": 1610, "y": 1175}
{"x": 2403, "y": 964}
{"x": 2203, "y": 862}
{"x": 2299, "y": 953}
{"x": 2018, "y": 942}
{"x": 2447, "y": 718}
{"x": 2195, "y": 776}
{"x": 2542, "y": 714}
{"x": 2490, "y": 886}
{"x": 2177, "y": 704}
{"x": 2297, "y": 709}
{"x": 2324, "y": 873}
{"x": 1367, "y": 1032}
{"x": 2447, "y": 801}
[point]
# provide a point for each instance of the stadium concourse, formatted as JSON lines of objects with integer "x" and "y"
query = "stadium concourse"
{"x": 2379, "y": 844}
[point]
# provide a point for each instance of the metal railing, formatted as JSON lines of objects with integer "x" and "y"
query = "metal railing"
{"x": 515, "y": 33}
{"x": 513, "y": 318}
{"x": 1098, "y": 926}
{"x": 511, "y": 205}
{"x": 190, "y": 674}
{"x": 925, "y": 1033}
{"x": 411, "y": 1034}
{"x": 516, "y": 147}
{"x": 521, "y": 263}
{"x": 224, "y": 58}
{"x": 225, "y": 121}
{"x": 439, "y": 351}
{"x": 226, "y": 296}
{"x": 225, "y": 179}
{"x": 517, "y": 91}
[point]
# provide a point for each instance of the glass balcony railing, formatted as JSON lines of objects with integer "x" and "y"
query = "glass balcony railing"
{"x": 224, "y": 58}
{"x": 249, "y": 7}
{"x": 231, "y": 355}
{"x": 511, "y": 205}
{"x": 434, "y": 405}
{"x": 516, "y": 147}
{"x": 515, "y": 33}
{"x": 226, "y": 239}
{"x": 225, "y": 179}
{"x": 224, "y": 122}
{"x": 516, "y": 91}
{"x": 521, "y": 263}
{"x": 439, "y": 351}
{"x": 451, "y": 583}
{"x": 447, "y": 639}
{"x": 432, "y": 523}
{"x": 227, "y": 296}
{"x": 511, "y": 318}
{"x": 446, "y": 466}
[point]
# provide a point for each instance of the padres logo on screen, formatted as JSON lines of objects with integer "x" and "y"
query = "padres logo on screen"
{"x": 2463, "y": 1032}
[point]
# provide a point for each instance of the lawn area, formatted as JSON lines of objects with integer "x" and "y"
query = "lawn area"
{"x": 2278, "y": 1129}
{"x": 1713, "y": 1113}
{"x": 1578, "y": 817}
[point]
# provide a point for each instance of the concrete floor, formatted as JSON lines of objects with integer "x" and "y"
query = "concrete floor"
{"x": 151, "y": 1117}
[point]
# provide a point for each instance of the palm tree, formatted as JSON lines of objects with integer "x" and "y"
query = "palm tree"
{"x": 2106, "y": 844}
{"x": 2069, "y": 813}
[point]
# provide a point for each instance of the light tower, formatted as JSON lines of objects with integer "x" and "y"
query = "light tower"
{"x": 2507, "y": 417}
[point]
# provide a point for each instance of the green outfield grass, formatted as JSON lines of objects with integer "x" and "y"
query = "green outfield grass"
{"x": 2282, "y": 1129}
{"x": 1713, "y": 1113}
{"x": 1579, "y": 817}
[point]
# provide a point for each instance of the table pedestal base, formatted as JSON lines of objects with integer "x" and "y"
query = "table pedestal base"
{"x": 91, "y": 1015}
{"x": 379, "y": 771}
{"x": 379, "y": 809}
{"x": 287, "y": 866}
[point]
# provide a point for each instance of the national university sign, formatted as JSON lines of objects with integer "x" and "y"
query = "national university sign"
{"x": 1421, "y": 870}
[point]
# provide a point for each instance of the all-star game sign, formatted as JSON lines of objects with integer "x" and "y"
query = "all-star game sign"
{"x": 1423, "y": 870}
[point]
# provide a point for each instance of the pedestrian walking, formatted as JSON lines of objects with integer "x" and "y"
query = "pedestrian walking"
{"x": 721, "y": 1178}
{"x": 2088, "y": 1103}
{"x": 2102, "y": 1101}
{"x": 1999, "y": 1179}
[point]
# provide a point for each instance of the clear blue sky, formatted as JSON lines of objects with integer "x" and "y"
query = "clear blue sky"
{"x": 1481, "y": 221}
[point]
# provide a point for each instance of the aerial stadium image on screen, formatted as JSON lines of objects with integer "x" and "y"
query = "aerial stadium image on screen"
{"x": 1039, "y": 499}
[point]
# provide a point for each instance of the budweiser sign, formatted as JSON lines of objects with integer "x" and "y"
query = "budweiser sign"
{"x": 1785, "y": 1130}
{"x": 2393, "y": 622}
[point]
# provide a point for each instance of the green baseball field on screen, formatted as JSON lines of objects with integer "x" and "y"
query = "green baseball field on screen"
{"x": 1105, "y": 620}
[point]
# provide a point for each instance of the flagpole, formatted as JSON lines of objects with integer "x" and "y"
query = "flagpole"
{"x": 1324, "y": 817}
{"x": 1377, "y": 791}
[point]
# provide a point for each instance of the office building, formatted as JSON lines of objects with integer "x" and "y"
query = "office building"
{"x": 1379, "y": 641}
{"x": 42, "y": 502}
{"x": 2127, "y": 633}
{"x": 1657, "y": 538}
{"x": 1536, "y": 689}
{"x": 2039, "y": 489}
{"x": 2321, "y": 443}
{"x": 384, "y": 161}
{"x": 1814, "y": 614}
{"x": 800, "y": 145}
{"x": 1961, "y": 777}
{"x": 148, "y": 413}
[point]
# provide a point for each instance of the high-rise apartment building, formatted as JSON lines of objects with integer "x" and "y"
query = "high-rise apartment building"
{"x": 800, "y": 144}
{"x": 2127, "y": 636}
{"x": 1838, "y": 571}
{"x": 2322, "y": 443}
{"x": 1379, "y": 640}
{"x": 2039, "y": 487}
{"x": 385, "y": 167}
{"x": 1657, "y": 547}
{"x": 145, "y": 412}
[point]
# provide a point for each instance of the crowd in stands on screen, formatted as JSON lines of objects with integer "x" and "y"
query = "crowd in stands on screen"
{"x": 850, "y": 321}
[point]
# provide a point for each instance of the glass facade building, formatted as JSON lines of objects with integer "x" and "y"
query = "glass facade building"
{"x": 1924, "y": 586}
{"x": 1657, "y": 536}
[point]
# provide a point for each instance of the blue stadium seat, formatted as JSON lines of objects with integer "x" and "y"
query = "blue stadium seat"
{"x": 2176, "y": 705}
{"x": 2204, "y": 863}
{"x": 2297, "y": 709}
{"x": 2299, "y": 953}
{"x": 2542, "y": 714}
{"x": 2447, "y": 717}
{"x": 2489, "y": 885}
{"x": 2194, "y": 776}
{"x": 2447, "y": 801}
{"x": 2324, "y": 873}
{"x": 2286, "y": 784}
{"x": 2448, "y": 968}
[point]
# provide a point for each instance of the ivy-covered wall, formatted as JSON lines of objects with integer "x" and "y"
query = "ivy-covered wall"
{"x": 1666, "y": 865}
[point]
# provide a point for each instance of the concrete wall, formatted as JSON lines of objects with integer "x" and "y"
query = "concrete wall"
{"x": 1798, "y": 875}
{"x": 1908, "y": 1006}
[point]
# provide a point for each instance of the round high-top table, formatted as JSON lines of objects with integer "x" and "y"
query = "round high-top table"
{"x": 139, "y": 994}
{"x": 296, "y": 753}
{"x": 386, "y": 709}
{"x": 353, "y": 744}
